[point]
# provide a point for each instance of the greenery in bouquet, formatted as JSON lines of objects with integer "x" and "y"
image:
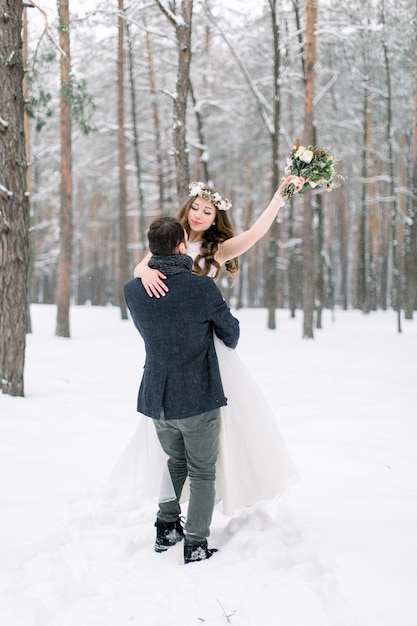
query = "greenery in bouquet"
{"x": 312, "y": 163}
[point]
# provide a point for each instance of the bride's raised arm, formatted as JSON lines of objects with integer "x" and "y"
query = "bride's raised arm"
{"x": 237, "y": 245}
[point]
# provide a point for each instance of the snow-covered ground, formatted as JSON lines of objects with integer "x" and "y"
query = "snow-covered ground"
{"x": 338, "y": 549}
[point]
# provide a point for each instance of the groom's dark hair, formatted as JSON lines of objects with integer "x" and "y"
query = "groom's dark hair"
{"x": 164, "y": 235}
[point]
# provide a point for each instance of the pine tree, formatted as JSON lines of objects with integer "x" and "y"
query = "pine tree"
{"x": 14, "y": 204}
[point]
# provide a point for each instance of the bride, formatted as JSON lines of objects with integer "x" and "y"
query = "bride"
{"x": 253, "y": 462}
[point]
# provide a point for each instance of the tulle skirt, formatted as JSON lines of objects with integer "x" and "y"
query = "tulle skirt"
{"x": 253, "y": 462}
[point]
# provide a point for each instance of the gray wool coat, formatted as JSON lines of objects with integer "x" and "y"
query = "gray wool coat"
{"x": 181, "y": 373}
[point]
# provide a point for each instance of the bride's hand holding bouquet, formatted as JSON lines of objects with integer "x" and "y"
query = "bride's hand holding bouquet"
{"x": 312, "y": 165}
{"x": 291, "y": 182}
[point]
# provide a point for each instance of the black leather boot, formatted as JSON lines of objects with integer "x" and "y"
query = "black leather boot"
{"x": 197, "y": 551}
{"x": 168, "y": 534}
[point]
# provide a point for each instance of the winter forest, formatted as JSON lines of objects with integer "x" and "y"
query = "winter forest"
{"x": 109, "y": 109}
{"x": 125, "y": 103}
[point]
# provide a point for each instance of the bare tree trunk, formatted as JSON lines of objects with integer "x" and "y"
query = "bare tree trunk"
{"x": 244, "y": 261}
{"x": 201, "y": 161}
{"x": 27, "y": 150}
{"x": 141, "y": 199}
{"x": 65, "y": 254}
{"x": 292, "y": 264}
{"x": 183, "y": 31}
{"x": 14, "y": 204}
{"x": 308, "y": 243}
{"x": 410, "y": 297}
{"x": 271, "y": 273}
{"x": 363, "y": 244}
{"x": 123, "y": 273}
{"x": 396, "y": 292}
{"x": 293, "y": 250}
{"x": 156, "y": 121}
{"x": 384, "y": 255}
{"x": 320, "y": 278}
{"x": 343, "y": 234}
{"x": 201, "y": 167}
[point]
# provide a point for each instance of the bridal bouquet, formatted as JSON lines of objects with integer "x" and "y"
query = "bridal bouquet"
{"x": 312, "y": 163}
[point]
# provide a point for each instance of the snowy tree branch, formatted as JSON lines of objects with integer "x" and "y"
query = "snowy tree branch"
{"x": 326, "y": 88}
{"x": 264, "y": 106}
{"x": 47, "y": 30}
{"x": 174, "y": 19}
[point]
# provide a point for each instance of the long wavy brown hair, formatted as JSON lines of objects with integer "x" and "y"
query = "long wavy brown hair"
{"x": 218, "y": 232}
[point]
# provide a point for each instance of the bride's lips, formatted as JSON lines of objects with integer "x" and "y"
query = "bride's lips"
{"x": 195, "y": 223}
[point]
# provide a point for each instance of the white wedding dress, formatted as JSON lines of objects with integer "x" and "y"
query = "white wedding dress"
{"x": 253, "y": 462}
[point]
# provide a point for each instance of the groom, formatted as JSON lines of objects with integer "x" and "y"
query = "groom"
{"x": 181, "y": 388}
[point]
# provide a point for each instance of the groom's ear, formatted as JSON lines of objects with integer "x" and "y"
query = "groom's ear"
{"x": 181, "y": 248}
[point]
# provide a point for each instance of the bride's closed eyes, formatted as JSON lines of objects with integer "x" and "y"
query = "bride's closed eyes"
{"x": 205, "y": 211}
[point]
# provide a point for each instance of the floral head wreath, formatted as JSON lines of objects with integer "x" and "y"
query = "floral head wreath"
{"x": 199, "y": 189}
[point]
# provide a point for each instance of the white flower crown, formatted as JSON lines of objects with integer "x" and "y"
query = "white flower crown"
{"x": 199, "y": 189}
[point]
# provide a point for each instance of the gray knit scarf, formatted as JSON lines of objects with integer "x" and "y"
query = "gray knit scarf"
{"x": 172, "y": 264}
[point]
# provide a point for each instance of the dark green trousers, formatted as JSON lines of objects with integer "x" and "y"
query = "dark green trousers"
{"x": 192, "y": 445}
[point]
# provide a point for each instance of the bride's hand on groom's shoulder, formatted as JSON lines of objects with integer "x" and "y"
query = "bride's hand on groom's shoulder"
{"x": 153, "y": 282}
